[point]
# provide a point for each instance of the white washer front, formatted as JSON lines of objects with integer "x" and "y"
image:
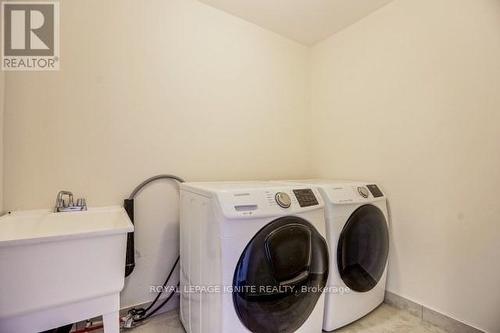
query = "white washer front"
{"x": 265, "y": 242}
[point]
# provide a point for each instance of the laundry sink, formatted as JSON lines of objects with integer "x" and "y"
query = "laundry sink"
{"x": 60, "y": 268}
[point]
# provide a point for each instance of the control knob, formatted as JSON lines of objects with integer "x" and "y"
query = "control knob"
{"x": 363, "y": 191}
{"x": 283, "y": 200}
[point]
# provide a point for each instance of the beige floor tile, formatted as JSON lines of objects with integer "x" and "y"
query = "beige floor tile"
{"x": 385, "y": 319}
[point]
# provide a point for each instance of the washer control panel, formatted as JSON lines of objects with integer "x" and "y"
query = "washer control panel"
{"x": 248, "y": 200}
{"x": 269, "y": 202}
{"x": 306, "y": 197}
{"x": 283, "y": 200}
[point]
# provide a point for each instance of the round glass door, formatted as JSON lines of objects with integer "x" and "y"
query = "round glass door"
{"x": 363, "y": 248}
{"x": 280, "y": 276}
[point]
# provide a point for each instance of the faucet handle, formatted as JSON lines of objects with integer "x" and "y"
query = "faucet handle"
{"x": 59, "y": 203}
{"x": 81, "y": 202}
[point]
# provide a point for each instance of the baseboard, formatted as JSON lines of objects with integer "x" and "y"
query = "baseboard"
{"x": 428, "y": 315}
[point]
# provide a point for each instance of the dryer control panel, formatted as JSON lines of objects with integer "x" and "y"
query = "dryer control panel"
{"x": 345, "y": 193}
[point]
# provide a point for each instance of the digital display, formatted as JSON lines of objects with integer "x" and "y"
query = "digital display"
{"x": 305, "y": 197}
{"x": 376, "y": 192}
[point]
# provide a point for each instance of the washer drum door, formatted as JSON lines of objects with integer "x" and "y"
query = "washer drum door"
{"x": 363, "y": 248}
{"x": 280, "y": 276}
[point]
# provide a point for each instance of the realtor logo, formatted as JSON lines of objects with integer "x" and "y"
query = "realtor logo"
{"x": 30, "y": 36}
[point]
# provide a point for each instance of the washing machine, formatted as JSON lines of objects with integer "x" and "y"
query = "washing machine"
{"x": 358, "y": 237}
{"x": 254, "y": 258}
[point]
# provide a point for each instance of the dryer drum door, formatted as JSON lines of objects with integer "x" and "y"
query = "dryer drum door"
{"x": 280, "y": 276}
{"x": 363, "y": 248}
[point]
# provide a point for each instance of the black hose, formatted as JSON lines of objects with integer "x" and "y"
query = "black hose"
{"x": 160, "y": 306}
{"x": 164, "y": 284}
{"x": 144, "y": 317}
{"x": 140, "y": 313}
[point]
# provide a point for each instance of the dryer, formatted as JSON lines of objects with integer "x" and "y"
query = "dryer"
{"x": 254, "y": 258}
{"x": 358, "y": 236}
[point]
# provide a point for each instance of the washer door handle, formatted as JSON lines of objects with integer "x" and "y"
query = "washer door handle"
{"x": 296, "y": 280}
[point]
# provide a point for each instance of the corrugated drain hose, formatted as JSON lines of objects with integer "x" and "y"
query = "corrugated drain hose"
{"x": 137, "y": 315}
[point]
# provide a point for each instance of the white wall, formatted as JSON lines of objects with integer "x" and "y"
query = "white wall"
{"x": 409, "y": 97}
{"x": 2, "y": 100}
{"x": 154, "y": 87}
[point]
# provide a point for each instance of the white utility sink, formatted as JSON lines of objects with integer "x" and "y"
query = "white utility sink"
{"x": 60, "y": 268}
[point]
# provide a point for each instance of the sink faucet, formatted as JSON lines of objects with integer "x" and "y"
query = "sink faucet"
{"x": 69, "y": 205}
